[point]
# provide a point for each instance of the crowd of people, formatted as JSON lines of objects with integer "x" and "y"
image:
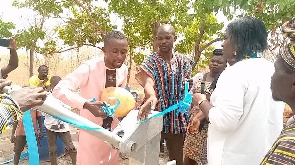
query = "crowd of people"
{"x": 236, "y": 116}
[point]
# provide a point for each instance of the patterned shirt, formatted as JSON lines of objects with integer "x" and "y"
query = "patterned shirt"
{"x": 9, "y": 112}
{"x": 169, "y": 87}
{"x": 283, "y": 150}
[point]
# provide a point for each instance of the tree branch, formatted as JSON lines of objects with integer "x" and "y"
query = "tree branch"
{"x": 198, "y": 41}
{"x": 201, "y": 33}
{"x": 68, "y": 49}
{"x": 259, "y": 6}
{"x": 93, "y": 46}
{"x": 90, "y": 17}
{"x": 210, "y": 43}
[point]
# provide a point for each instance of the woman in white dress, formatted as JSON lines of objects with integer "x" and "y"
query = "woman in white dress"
{"x": 244, "y": 119}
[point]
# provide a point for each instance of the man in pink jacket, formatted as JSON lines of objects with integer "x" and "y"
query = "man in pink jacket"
{"x": 92, "y": 77}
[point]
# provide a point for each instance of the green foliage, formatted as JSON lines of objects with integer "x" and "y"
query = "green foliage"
{"x": 87, "y": 22}
{"x": 271, "y": 12}
{"x": 138, "y": 58}
{"x": 44, "y": 8}
{"x": 140, "y": 18}
{"x": 80, "y": 30}
{"x": 5, "y": 29}
{"x": 27, "y": 38}
{"x": 191, "y": 33}
{"x": 49, "y": 48}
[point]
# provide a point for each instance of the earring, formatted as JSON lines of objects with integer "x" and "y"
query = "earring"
{"x": 235, "y": 53}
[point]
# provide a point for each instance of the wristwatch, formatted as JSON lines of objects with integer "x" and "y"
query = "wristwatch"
{"x": 201, "y": 101}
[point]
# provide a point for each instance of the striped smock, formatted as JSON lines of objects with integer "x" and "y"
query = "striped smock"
{"x": 169, "y": 87}
{"x": 283, "y": 150}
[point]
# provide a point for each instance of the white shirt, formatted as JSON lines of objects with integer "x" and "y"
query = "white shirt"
{"x": 54, "y": 124}
{"x": 245, "y": 120}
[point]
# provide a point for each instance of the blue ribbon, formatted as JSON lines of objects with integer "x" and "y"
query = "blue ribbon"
{"x": 180, "y": 107}
{"x": 109, "y": 110}
{"x": 33, "y": 151}
{"x": 77, "y": 123}
{"x": 31, "y": 138}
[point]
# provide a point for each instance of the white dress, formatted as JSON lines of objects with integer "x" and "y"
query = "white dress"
{"x": 245, "y": 120}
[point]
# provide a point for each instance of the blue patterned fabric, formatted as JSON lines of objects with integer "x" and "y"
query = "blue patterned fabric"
{"x": 169, "y": 79}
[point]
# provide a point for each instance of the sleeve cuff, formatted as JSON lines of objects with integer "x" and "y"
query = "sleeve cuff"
{"x": 15, "y": 108}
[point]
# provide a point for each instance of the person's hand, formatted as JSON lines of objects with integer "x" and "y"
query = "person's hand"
{"x": 193, "y": 126}
{"x": 147, "y": 107}
{"x": 12, "y": 44}
{"x": 29, "y": 97}
{"x": 12, "y": 139}
{"x": 95, "y": 108}
{"x": 4, "y": 83}
{"x": 40, "y": 135}
{"x": 198, "y": 97}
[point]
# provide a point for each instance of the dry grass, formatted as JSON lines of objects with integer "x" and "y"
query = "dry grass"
{"x": 56, "y": 65}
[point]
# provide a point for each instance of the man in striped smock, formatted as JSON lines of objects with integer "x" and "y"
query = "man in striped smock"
{"x": 283, "y": 89}
{"x": 162, "y": 75}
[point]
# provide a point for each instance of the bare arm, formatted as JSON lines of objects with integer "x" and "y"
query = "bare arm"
{"x": 13, "y": 61}
{"x": 150, "y": 104}
{"x": 40, "y": 123}
{"x": 14, "y": 128}
{"x": 147, "y": 83}
{"x": 12, "y": 138}
{"x": 205, "y": 106}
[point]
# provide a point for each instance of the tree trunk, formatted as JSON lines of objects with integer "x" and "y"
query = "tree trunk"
{"x": 31, "y": 68}
{"x": 155, "y": 27}
{"x": 196, "y": 58}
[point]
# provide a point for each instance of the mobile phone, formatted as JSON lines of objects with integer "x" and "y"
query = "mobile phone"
{"x": 4, "y": 42}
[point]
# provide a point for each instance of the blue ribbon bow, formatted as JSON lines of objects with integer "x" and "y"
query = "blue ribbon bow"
{"x": 180, "y": 107}
{"x": 109, "y": 110}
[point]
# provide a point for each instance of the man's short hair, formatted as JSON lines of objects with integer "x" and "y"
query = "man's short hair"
{"x": 114, "y": 34}
{"x": 41, "y": 67}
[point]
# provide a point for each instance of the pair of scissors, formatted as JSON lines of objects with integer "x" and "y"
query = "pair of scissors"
{"x": 110, "y": 110}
